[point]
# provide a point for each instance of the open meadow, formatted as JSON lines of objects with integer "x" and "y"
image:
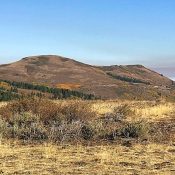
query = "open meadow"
{"x": 87, "y": 137}
{"x": 154, "y": 159}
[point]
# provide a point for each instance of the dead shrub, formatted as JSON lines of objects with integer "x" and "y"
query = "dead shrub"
{"x": 26, "y": 126}
{"x": 122, "y": 111}
{"x": 35, "y": 132}
{"x": 50, "y": 112}
{"x": 105, "y": 130}
{"x": 3, "y": 128}
{"x": 162, "y": 131}
{"x": 119, "y": 113}
{"x": 18, "y": 107}
{"x": 77, "y": 111}
{"x": 39, "y": 119}
{"x": 46, "y": 109}
{"x": 66, "y": 132}
{"x": 135, "y": 130}
{"x": 87, "y": 132}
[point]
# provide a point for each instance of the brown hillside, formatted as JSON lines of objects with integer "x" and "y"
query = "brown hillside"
{"x": 138, "y": 72}
{"x": 64, "y": 72}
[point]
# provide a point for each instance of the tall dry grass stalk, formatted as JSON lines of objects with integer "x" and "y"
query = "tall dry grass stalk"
{"x": 156, "y": 112}
{"x": 141, "y": 110}
{"x": 3, "y": 104}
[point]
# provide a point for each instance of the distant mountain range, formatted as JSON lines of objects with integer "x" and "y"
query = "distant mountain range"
{"x": 129, "y": 81}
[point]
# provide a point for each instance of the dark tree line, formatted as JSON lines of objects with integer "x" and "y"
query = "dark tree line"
{"x": 8, "y": 95}
{"x": 56, "y": 92}
{"x": 127, "y": 79}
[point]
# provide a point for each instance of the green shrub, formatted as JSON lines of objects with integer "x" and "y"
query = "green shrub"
{"x": 127, "y": 79}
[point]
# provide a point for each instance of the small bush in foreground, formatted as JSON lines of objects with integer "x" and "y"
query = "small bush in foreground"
{"x": 135, "y": 130}
{"x": 39, "y": 119}
{"x": 77, "y": 111}
{"x": 123, "y": 110}
{"x": 25, "y": 126}
{"x": 87, "y": 132}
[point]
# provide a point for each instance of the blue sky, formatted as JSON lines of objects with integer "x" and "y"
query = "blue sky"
{"x": 100, "y": 32}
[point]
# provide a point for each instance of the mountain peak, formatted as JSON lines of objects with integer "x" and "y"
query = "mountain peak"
{"x": 46, "y": 58}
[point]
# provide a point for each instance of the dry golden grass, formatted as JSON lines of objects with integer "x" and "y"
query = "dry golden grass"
{"x": 2, "y": 104}
{"x": 101, "y": 107}
{"x": 50, "y": 159}
{"x": 157, "y": 112}
{"x": 142, "y": 110}
{"x": 69, "y": 86}
{"x": 5, "y": 85}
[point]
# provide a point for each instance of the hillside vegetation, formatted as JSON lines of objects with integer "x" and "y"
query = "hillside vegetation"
{"x": 10, "y": 90}
{"x": 102, "y": 81}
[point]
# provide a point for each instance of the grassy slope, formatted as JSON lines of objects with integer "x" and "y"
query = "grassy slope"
{"x": 66, "y": 73}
